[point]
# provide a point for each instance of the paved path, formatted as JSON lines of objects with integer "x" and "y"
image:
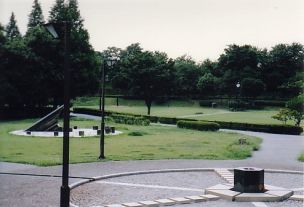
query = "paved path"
{"x": 277, "y": 152}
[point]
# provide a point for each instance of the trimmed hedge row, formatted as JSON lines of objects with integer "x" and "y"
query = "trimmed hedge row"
{"x": 131, "y": 120}
{"x": 269, "y": 128}
{"x": 199, "y": 125}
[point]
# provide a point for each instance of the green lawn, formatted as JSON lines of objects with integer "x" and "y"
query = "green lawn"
{"x": 185, "y": 108}
{"x": 249, "y": 116}
{"x": 157, "y": 142}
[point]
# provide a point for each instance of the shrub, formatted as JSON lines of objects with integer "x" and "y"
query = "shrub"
{"x": 136, "y": 133}
{"x": 263, "y": 103}
{"x": 167, "y": 120}
{"x": 198, "y": 125}
{"x": 206, "y": 103}
{"x": 131, "y": 120}
{"x": 269, "y": 128}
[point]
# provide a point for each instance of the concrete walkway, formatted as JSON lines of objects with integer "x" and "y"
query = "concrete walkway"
{"x": 277, "y": 152}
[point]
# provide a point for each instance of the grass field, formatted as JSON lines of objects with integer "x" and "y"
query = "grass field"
{"x": 157, "y": 142}
{"x": 189, "y": 109}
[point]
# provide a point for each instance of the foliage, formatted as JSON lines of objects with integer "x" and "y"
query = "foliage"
{"x": 296, "y": 109}
{"x": 130, "y": 120}
{"x": 146, "y": 74}
{"x": 283, "y": 115}
{"x": 12, "y": 30}
{"x": 36, "y": 17}
{"x": 251, "y": 87}
{"x": 187, "y": 75}
{"x": 207, "y": 84}
{"x": 198, "y": 125}
{"x": 269, "y": 128}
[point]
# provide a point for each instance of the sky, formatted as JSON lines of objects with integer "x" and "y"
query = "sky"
{"x": 198, "y": 28}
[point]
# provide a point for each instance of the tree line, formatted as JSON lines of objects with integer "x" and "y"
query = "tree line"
{"x": 32, "y": 66}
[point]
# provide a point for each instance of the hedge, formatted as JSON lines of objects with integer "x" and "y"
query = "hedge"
{"x": 131, "y": 120}
{"x": 269, "y": 128}
{"x": 198, "y": 125}
{"x": 97, "y": 112}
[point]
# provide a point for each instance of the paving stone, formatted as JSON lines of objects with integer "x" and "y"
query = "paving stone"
{"x": 297, "y": 198}
{"x": 224, "y": 194}
{"x": 132, "y": 204}
{"x": 115, "y": 205}
{"x": 210, "y": 197}
{"x": 283, "y": 194}
{"x": 271, "y": 187}
{"x": 181, "y": 200}
{"x": 166, "y": 202}
{"x": 256, "y": 197}
{"x": 149, "y": 203}
{"x": 196, "y": 198}
{"x": 219, "y": 187}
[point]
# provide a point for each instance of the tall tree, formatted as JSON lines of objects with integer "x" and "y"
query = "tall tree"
{"x": 285, "y": 61}
{"x": 239, "y": 62}
{"x": 12, "y": 30}
{"x": 36, "y": 17}
{"x": 84, "y": 61}
{"x": 144, "y": 74}
{"x": 58, "y": 12}
{"x": 187, "y": 75}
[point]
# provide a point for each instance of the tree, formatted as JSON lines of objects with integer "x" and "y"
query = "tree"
{"x": 283, "y": 115}
{"x": 207, "y": 84}
{"x": 239, "y": 62}
{"x": 36, "y": 17}
{"x": 12, "y": 30}
{"x": 285, "y": 61}
{"x": 144, "y": 74}
{"x": 187, "y": 75}
{"x": 58, "y": 12}
{"x": 85, "y": 62}
{"x": 251, "y": 87}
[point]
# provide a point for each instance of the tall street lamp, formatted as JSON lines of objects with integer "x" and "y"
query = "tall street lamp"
{"x": 238, "y": 85}
{"x": 109, "y": 62}
{"x": 62, "y": 31}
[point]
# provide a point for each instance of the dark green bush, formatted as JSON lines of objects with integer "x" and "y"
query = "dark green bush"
{"x": 153, "y": 119}
{"x": 207, "y": 103}
{"x": 269, "y": 128}
{"x": 131, "y": 120}
{"x": 269, "y": 103}
{"x": 198, "y": 125}
{"x": 136, "y": 133}
{"x": 167, "y": 120}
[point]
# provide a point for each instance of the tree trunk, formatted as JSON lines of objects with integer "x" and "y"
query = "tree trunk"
{"x": 148, "y": 104}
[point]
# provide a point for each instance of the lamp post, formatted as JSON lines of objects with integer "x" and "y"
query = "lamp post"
{"x": 107, "y": 62}
{"x": 62, "y": 31}
{"x": 238, "y": 85}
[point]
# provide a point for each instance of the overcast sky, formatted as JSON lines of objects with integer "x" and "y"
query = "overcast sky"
{"x": 199, "y": 28}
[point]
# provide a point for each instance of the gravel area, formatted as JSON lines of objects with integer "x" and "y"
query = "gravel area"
{"x": 287, "y": 203}
{"x": 218, "y": 203}
{"x": 288, "y": 181}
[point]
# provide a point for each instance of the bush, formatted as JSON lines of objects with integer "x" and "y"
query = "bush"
{"x": 136, "y": 133}
{"x": 167, "y": 120}
{"x": 206, "y": 103}
{"x": 263, "y": 103}
{"x": 153, "y": 119}
{"x": 130, "y": 120}
{"x": 269, "y": 128}
{"x": 198, "y": 125}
